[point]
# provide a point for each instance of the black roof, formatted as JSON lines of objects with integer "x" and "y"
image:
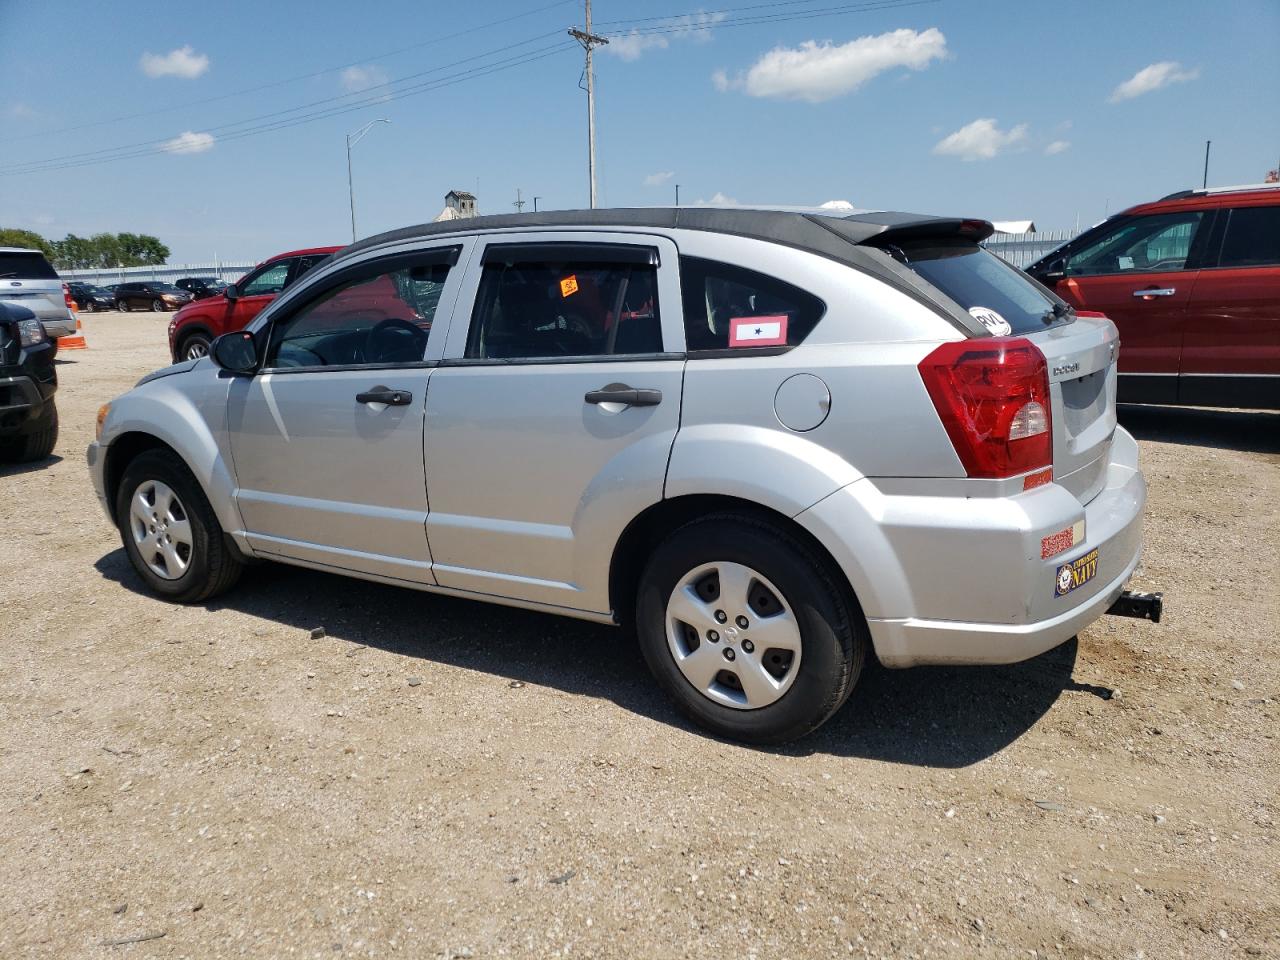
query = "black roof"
{"x": 820, "y": 233}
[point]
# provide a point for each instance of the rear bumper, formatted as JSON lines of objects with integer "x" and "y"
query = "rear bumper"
{"x": 960, "y": 580}
{"x": 59, "y": 328}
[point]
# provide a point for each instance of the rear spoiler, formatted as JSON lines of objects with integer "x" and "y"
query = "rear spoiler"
{"x": 891, "y": 229}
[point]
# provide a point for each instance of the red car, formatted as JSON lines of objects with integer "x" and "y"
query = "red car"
{"x": 196, "y": 325}
{"x": 1193, "y": 283}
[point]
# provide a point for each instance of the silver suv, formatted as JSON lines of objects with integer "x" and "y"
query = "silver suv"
{"x": 27, "y": 280}
{"x": 773, "y": 441}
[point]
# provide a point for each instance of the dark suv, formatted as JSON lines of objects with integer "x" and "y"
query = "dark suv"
{"x": 201, "y": 287}
{"x": 28, "y": 417}
{"x": 1193, "y": 283}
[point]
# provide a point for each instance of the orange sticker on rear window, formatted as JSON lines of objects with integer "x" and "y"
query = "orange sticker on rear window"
{"x": 569, "y": 285}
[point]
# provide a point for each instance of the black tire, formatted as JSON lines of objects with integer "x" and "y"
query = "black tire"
{"x": 33, "y": 446}
{"x": 157, "y": 306}
{"x": 122, "y": 306}
{"x": 213, "y": 567}
{"x": 833, "y": 632}
{"x": 91, "y": 307}
{"x": 196, "y": 339}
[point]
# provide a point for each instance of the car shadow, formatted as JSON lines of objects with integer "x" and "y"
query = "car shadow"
{"x": 1248, "y": 431}
{"x": 928, "y": 716}
{"x": 15, "y": 469}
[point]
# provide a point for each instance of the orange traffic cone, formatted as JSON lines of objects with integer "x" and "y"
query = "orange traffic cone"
{"x": 76, "y": 342}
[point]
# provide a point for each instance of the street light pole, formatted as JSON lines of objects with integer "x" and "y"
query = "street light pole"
{"x": 352, "y": 140}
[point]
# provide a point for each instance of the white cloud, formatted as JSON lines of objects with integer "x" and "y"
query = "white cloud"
{"x": 20, "y": 111}
{"x": 659, "y": 179}
{"x": 718, "y": 199}
{"x": 183, "y": 62}
{"x": 693, "y": 26}
{"x": 189, "y": 142}
{"x": 821, "y": 71}
{"x": 1058, "y": 146}
{"x": 357, "y": 79}
{"x": 980, "y": 140}
{"x": 1153, "y": 78}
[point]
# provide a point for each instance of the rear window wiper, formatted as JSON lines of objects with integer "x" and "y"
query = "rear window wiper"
{"x": 1058, "y": 311}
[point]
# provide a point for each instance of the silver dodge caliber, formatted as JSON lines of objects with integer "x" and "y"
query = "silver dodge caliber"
{"x": 774, "y": 441}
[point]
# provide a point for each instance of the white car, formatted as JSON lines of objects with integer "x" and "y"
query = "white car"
{"x": 27, "y": 279}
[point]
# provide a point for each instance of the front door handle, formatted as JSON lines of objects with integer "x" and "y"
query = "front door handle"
{"x": 621, "y": 393}
{"x": 392, "y": 398}
{"x": 1155, "y": 292}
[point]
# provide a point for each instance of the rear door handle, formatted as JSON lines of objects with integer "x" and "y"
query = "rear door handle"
{"x": 1156, "y": 292}
{"x": 621, "y": 393}
{"x": 392, "y": 398}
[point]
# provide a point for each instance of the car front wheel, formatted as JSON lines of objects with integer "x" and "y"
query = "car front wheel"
{"x": 748, "y": 629}
{"x": 195, "y": 347}
{"x": 157, "y": 306}
{"x": 170, "y": 532}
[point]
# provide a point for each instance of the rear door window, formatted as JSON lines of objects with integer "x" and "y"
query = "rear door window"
{"x": 542, "y": 301}
{"x": 25, "y": 266}
{"x": 1253, "y": 238}
{"x": 731, "y": 308}
{"x": 1000, "y": 297}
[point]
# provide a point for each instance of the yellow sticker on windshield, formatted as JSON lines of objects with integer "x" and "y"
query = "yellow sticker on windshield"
{"x": 569, "y": 285}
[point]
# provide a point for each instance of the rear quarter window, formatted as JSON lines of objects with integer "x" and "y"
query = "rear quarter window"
{"x": 26, "y": 266}
{"x": 732, "y": 308}
{"x": 983, "y": 284}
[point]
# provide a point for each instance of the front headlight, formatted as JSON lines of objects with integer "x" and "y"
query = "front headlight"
{"x": 102, "y": 418}
{"x": 30, "y": 332}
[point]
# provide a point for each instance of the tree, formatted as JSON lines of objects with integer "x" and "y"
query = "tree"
{"x": 141, "y": 249}
{"x": 16, "y": 237}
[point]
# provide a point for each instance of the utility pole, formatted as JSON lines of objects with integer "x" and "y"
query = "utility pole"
{"x": 589, "y": 40}
{"x": 677, "y": 194}
{"x": 1205, "y": 184}
{"x": 519, "y": 204}
{"x": 535, "y": 204}
{"x": 352, "y": 140}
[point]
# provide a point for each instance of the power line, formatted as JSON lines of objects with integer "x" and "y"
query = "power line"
{"x": 287, "y": 80}
{"x": 369, "y": 96}
{"x": 474, "y": 73}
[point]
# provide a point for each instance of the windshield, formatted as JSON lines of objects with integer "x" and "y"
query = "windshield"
{"x": 165, "y": 288}
{"x": 984, "y": 285}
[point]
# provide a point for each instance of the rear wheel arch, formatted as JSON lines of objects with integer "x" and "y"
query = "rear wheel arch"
{"x": 648, "y": 529}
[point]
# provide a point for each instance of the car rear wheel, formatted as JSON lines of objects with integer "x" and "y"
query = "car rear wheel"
{"x": 748, "y": 629}
{"x": 195, "y": 347}
{"x": 122, "y": 306}
{"x": 33, "y": 446}
{"x": 170, "y": 532}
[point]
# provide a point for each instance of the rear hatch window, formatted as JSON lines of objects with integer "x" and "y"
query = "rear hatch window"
{"x": 25, "y": 266}
{"x": 984, "y": 285}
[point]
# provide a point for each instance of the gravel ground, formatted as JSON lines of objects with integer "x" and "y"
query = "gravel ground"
{"x": 439, "y": 778}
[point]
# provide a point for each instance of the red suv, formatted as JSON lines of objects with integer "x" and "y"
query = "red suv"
{"x": 196, "y": 325}
{"x": 1193, "y": 283}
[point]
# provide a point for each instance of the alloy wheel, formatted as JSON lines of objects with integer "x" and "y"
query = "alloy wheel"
{"x": 733, "y": 635}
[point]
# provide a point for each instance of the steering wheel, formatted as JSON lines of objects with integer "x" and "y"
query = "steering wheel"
{"x": 392, "y": 331}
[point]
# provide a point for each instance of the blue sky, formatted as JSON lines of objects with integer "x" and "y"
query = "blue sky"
{"x": 977, "y": 107}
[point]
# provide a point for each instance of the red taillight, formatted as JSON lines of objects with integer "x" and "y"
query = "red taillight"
{"x": 992, "y": 395}
{"x": 70, "y": 300}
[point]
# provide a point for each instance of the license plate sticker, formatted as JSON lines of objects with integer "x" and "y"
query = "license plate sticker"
{"x": 1075, "y": 573}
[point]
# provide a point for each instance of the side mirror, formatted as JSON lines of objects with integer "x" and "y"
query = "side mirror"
{"x": 1054, "y": 272}
{"x": 232, "y": 292}
{"x": 235, "y": 352}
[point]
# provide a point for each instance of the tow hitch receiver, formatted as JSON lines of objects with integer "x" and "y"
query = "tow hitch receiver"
{"x": 1142, "y": 606}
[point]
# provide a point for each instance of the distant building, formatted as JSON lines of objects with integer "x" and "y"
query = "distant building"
{"x": 1014, "y": 226}
{"x": 462, "y": 204}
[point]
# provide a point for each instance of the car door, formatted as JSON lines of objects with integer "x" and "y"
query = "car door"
{"x": 327, "y": 438}
{"x": 551, "y": 418}
{"x": 1231, "y": 353}
{"x": 1140, "y": 272}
